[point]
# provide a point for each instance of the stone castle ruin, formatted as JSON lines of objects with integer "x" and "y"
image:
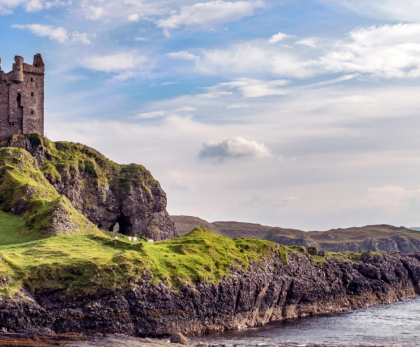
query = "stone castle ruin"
{"x": 22, "y": 98}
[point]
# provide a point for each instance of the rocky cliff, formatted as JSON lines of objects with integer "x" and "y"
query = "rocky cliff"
{"x": 106, "y": 193}
{"x": 277, "y": 284}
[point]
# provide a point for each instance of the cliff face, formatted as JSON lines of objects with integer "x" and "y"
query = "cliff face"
{"x": 268, "y": 291}
{"x": 106, "y": 193}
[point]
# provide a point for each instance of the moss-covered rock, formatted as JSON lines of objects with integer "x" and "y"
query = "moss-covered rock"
{"x": 105, "y": 192}
{"x": 25, "y": 192}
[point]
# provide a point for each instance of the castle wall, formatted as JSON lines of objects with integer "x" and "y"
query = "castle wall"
{"x": 22, "y": 98}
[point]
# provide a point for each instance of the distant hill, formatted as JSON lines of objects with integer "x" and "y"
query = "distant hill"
{"x": 357, "y": 239}
{"x": 184, "y": 224}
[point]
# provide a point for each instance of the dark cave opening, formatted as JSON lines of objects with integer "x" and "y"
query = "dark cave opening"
{"x": 122, "y": 225}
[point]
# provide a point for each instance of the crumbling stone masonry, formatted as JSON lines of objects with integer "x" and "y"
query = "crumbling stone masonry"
{"x": 22, "y": 98}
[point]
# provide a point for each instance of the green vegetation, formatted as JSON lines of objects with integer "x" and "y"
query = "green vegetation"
{"x": 66, "y": 159}
{"x": 84, "y": 263}
{"x": 38, "y": 210}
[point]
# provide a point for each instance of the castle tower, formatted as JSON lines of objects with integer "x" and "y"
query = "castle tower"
{"x": 22, "y": 98}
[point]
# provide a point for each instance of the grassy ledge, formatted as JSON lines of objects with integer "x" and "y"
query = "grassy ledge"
{"x": 82, "y": 264}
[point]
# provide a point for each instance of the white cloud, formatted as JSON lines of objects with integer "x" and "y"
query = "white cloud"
{"x": 408, "y": 11}
{"x": 114, "y": 62}
{"x": 186, "y": 109}
{"x": 214, "y": 94}
{"x": 182, "y": 55}
{"x": 157, "y": 114}
{"x": 386, "y": 51}
{"x": 253, "y": 59}
{"x": 237, "y": 106}
{"x": 94, "y": 13}
{"x": 390, "y": 51}
{"x": 7, "y": 6}
{"x": 58, "y": 34}
{"x": 148, "y": 115}
{"x": 233, "y": 148}
{"x": 307, "y": 42}
{"x": 278, "y": 37}
{"x": 133, "y": 17}
{"x": 208, "y": 14}
{"x": 123, "y": 66}
{"x": 252, "y": 88}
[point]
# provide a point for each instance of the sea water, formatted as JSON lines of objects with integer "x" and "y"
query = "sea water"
{"x": 386, "y": 325}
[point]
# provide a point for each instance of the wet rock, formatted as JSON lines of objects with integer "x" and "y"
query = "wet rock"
{"x": 179, "y": 338}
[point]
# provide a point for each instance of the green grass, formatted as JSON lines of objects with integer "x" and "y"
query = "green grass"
{"x": 24, "y": 191}
{"x": 13, "y": 229}
{"x": 82, "y": 264}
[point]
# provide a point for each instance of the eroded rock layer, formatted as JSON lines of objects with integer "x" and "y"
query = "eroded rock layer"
{"x": 269, "y": 291}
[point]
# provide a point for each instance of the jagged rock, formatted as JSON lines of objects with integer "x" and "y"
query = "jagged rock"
{"x": 108, "y": 194}
{"x": 312, "y": 250}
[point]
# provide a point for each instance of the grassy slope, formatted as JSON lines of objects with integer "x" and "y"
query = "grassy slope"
{"x": 41, "y": 211}
{"x": 84, "y": 263}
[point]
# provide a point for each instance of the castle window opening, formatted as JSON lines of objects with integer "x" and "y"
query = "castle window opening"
{"x": 32, "y": 111}
{"x": 32, "y": 93}
{"x": 32, "y": 79}
{"x": 19, "y": 99}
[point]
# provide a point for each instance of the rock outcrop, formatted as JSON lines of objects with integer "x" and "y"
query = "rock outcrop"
{"x": 269, "y": 291}
{"x": 106, "y": 193}
{"x": 25, "y": 192}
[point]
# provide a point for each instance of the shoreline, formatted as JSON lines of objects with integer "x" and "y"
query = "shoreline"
{"x": 273, "y": 292}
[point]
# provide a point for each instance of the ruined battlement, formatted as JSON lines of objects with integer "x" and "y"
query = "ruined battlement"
{"x": 22, "y": 98}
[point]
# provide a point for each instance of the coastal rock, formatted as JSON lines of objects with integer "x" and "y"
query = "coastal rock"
{"x": 124, "y": 198}
{"x": 270, "y": 291}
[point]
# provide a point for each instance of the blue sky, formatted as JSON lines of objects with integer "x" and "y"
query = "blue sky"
{"x": 299, "y": 114}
